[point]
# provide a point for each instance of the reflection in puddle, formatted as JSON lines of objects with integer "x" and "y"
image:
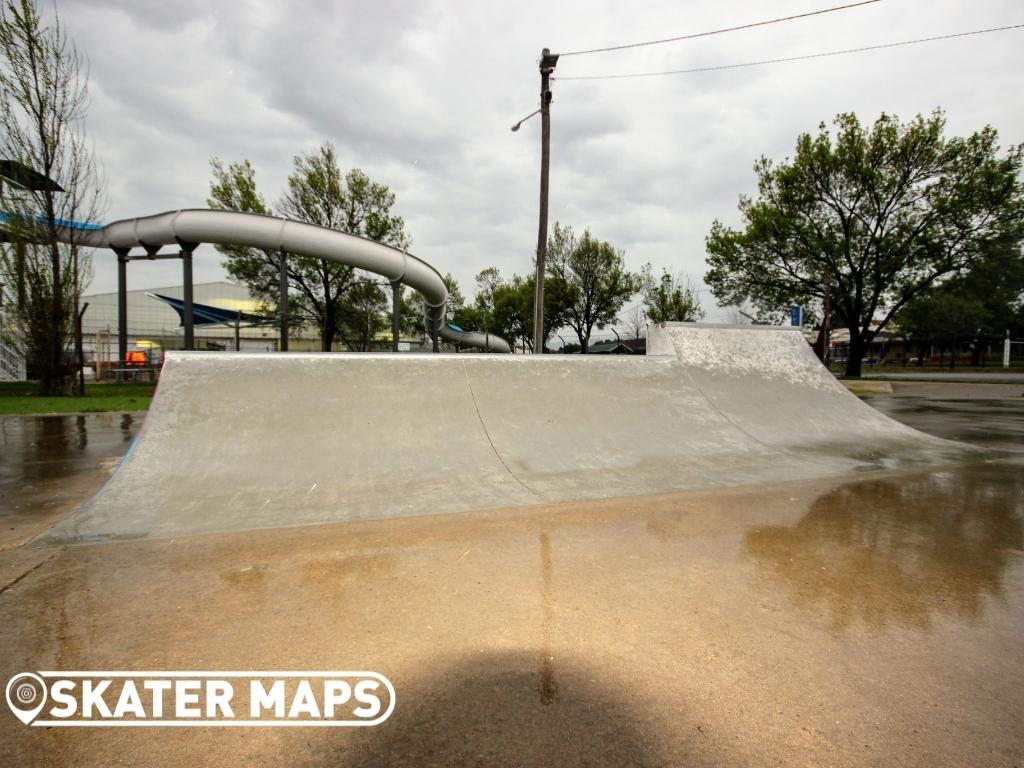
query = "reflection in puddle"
{"x": 548, "y": 682}
{"x": 34, "y": 448}
{"x": 900, "y": 550}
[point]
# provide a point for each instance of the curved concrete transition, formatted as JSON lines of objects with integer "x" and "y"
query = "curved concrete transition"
{"x": 240, "y": 441}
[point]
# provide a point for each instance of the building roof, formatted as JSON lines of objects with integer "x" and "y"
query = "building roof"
{"x": 608, "y": 348}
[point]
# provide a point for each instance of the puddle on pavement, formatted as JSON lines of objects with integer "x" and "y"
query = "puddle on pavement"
{"x": 989, "y": 423}
{"x": 722, "y": 618}
{"x": 49, "y": 465}
{"x": 902, "y": 549}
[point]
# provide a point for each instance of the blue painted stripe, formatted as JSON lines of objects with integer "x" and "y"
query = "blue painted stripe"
{"x": 66, "y": 223}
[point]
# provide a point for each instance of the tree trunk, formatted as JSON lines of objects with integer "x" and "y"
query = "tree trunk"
{"x": 856, "y": 352}
{"x": 329, "y": 331}
{"x": 819, "y": 343}
{"x": 977, "y": 359}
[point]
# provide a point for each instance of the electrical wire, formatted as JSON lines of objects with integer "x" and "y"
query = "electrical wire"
{"x": 788, "y": 58}
{"x": 720, "y": 31}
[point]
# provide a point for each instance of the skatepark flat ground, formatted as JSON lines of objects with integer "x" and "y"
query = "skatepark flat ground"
{"x": 869, "y": 619}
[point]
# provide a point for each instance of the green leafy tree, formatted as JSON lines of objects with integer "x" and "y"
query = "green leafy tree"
{"x": 43, "y": 103}
{"x": 363, "y": 314}
{"x": 513, "y": 311}
{"x": 411, "y": 318}
{"x": 668, "y": 298}
{"x": 944, "y": 317}
{"x": 590, "y": 282}
{"x": 505, "y": 308}
{"x": 979, "y": 306}
{"x": 456, "y": 301}
{"x": 997, "y": 281}
{"x": 326, "y": 294}
{"x": 479, "y": 316}
{"x": 873, "y": 216}
{"x": 234, "y": 189}
{"x": 459, "y": 312}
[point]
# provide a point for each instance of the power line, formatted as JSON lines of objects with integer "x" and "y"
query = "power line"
{"x": 789, "y": 58}
{"x": 720, "y": 31}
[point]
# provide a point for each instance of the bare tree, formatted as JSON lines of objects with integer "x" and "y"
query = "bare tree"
{"x": 742, "y": 313}
{"x": 43, "y": 82}
{"x": 635, "y": 323}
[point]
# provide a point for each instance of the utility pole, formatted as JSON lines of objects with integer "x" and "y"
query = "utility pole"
{"x": 548, "y": 61}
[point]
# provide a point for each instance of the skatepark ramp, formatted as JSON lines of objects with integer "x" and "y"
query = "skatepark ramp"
{"x": 243, "y": 441}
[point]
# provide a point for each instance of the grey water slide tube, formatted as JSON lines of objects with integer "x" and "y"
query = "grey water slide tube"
{"x": 200, "y": 225}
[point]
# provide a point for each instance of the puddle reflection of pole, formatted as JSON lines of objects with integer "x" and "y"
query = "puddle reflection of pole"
{"x": 548, "y": 684}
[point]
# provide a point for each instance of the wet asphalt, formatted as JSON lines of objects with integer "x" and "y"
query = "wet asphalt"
{"x": 989, "y": 422}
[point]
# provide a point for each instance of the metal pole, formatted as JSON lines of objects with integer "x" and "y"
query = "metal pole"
{"x": 238, "y": 330}
{"x": 282, "y": 300}
{"x": 186, "y": 278}
{"x": 79, "y": 351}
{"x": 1006, "y": 349}
{"x": 122, "y": 310}
{"x": 396, "y": 313}
{"x": 542, "y": 228}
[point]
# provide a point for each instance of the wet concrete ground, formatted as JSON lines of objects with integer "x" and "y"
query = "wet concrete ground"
{"x": 51, "y": 464}
{"x": 989, "y": 415}
{"x": 873, "y": 621}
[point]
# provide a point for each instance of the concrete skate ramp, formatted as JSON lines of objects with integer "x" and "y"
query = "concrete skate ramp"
{"x": 240, "y": 441}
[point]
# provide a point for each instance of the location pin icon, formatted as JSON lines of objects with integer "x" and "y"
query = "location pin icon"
{"x": 26, "y": 696}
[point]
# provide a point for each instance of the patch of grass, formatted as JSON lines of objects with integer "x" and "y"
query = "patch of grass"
{"x": 23, "y": 397}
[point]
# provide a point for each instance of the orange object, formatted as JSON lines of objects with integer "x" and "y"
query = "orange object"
{"x": 139, "y": 359}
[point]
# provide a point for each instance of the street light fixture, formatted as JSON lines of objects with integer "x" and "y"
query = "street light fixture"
{"x": 517, "y": 125}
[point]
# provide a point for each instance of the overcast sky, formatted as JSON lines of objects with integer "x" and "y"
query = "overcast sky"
{"x": 421, "y": 96}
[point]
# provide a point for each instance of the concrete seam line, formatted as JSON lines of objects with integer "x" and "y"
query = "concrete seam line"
{"x": 736, "y": 425}
{"x": 487, "y": 434}
{"x": 31, "y": 570}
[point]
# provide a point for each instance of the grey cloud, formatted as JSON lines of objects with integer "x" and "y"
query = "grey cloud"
{"x": 421, "y": 96}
